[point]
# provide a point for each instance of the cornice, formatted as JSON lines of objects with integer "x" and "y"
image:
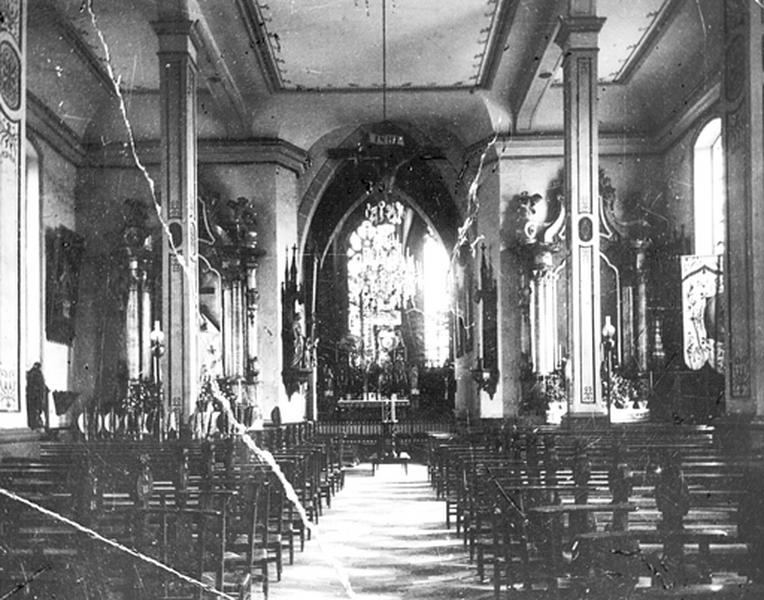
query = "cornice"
{"x": 209, "y": 151}
{"x": 528, "y": 146}
{"x": 45, "y": 124}
{"x": 552, "y": 146}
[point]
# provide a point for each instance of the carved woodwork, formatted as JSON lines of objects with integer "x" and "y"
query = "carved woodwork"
{"x": 486, "y": 371}
{"x": 297, "y": 348}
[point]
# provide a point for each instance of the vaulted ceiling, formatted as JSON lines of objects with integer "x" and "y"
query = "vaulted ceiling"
{"x": 300, "y": 69}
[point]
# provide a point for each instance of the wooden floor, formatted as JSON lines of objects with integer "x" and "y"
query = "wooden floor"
{"x": 389, "y": 534}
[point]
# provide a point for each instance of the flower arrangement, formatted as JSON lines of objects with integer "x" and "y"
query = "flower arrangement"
{"x": 140, "y": 396}
{"x": 623, "y": 392}
{"x": 546, "y": 390}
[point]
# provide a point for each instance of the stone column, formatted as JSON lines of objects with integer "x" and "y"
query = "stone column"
{"x": 12, "y": 176}
{"x": 578, "y": 39}
{"x": 180, "y": 293}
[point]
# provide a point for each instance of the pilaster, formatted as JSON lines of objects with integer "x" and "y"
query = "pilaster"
{"x": 743, "y": 131}
{"x": 180, "y": 293}
{"x": 12, "y": 177}
{"x": 578, "y": 37}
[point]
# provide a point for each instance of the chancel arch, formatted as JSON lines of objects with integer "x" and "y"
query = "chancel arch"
{"x": 384, "y": 186}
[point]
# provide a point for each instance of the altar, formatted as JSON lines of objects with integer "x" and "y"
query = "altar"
{"x": 374, "y": 407}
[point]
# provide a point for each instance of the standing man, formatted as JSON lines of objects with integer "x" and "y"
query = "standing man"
{"x": 37, "y": 398}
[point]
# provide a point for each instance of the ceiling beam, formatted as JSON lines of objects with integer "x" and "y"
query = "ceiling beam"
{"x": 260, "y": 43}
{"x": 496, "y": 45}
{"x": 544, "y": 58}
{"x": 659, "y": 26}
{"x": 218, "y": 79}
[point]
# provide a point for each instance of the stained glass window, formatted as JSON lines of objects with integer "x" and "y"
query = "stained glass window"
{"x": 383, "y": 277}
{"x": 436, "y": 302}
{"x": 380, "y": 276}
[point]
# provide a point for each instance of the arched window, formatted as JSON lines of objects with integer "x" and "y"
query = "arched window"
{"x": 436, "y": 301}
{"x": 709, "y": 190}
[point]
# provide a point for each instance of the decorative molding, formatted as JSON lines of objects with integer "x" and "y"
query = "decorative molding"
{"x": 45, "y": 124}
{"x": 210, "y": 151}
{"x": 551, "y": 146}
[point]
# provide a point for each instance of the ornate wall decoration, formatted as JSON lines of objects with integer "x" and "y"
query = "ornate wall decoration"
{"x": 10, "y": 17}
{"x": 10, "y": 75}
{"x": 11, "y": 126}
{"x": 9, "y": 139}
{"x": 741, "y": 376}
{"x": 9, "y": 400}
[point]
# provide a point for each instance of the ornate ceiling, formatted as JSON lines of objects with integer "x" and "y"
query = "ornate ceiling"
{"x": 300, "y": 70}
{"x": 338, "y": 44}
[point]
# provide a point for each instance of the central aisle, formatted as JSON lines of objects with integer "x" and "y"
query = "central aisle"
{"x": 389, "y": 533}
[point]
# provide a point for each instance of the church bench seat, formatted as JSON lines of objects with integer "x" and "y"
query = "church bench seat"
{"x": 715, "y": 488}
{"x": 309, "y": 467}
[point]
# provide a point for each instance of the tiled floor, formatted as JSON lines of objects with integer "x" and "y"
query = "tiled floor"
{"x": 388, "y": 534}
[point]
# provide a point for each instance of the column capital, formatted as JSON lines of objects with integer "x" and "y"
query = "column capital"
{"x": 178, "y": 36}
{"x": 579, "y": 32}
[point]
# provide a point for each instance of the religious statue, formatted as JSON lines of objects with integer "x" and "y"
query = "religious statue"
{"x": 298, "y": 341}
{"x": 414, "y": 379}
{"x": 328, "y": 381}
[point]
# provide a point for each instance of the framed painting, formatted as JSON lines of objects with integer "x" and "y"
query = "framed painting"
{"x": 63, "y": 255}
